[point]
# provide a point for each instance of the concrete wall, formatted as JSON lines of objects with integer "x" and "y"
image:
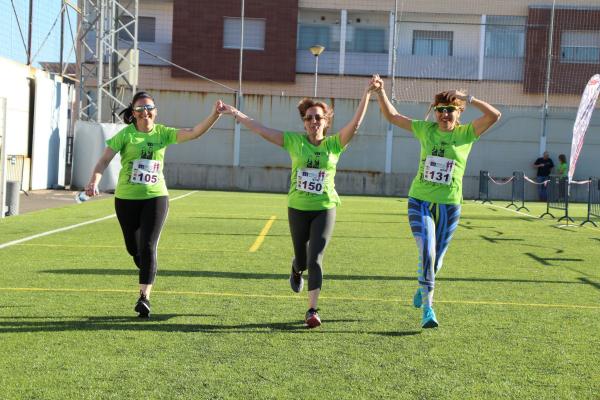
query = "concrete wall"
{"x": 511, "y": 145}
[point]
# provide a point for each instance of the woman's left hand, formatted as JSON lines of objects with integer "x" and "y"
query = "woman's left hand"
{"x": 457, "y": 94}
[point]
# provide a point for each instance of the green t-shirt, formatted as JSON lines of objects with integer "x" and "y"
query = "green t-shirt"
{"x": 562, "y": 169}
{"x": 146, "y": 152}
{"x": 442, "y": 163}
{"x": 312, "y": 185}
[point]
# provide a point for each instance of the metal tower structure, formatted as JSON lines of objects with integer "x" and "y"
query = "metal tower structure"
{"x": 107, "y": 59}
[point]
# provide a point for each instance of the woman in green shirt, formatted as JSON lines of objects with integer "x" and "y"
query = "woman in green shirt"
{"x": 141, "y": 196}
{"x": 312, "y": 198}
{"x": 563, "y": 168}
{"x": 435, "y": 195}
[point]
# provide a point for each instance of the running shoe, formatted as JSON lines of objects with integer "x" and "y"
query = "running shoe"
{"x": 142, "y": 307}
{"x": 417, "y": 299}
{"x": 429, "y": 320}
{"x": 312, "y": 319}
{"x": 296, "y": 281}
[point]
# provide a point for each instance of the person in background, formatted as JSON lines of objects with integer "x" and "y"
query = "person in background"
{"x": 563, "y": 168}
{"x": 312, "y": 198}
{"x": 141, "y": 196}
{"x": 435, "y": 195}
{"x": 544, "y": 167}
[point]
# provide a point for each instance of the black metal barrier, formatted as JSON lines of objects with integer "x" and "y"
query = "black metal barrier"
{"x": 593, "y": 208}
{"x": 518, "y": 191}
{"x": 557, "y": 197}
{"x": 484, "y": 189}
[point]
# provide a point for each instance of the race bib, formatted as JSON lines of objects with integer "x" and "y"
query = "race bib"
{"x": 438, "y": 170}
{"x": 311, "y": 180}
{"x": 145, "y": 172}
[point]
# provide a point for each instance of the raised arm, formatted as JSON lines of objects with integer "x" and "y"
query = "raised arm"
{"x": 389, "y": 112}
{"x": 91, "y": 188}
{"x": 348, "y": 131}
{"x": 185, "y": 134}
{"x": 272, "y": 135}
{"x": 490, "y": 114}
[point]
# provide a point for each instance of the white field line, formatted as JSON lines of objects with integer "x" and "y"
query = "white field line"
{"x": 532, "y": 216}
{"x": 66, "y": 228}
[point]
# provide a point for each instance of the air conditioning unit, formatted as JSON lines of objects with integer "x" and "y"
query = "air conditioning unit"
{"x": 128, "y": 63}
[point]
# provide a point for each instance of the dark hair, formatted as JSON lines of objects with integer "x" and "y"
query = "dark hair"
{"x": 562, "y": 158}
{"x": 128, "y": 112}
{"x": 307, "y": 103}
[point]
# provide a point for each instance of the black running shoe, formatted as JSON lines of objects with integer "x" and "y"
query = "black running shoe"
{"x": 296, "y": 281}
{"x": 142, "y": 307}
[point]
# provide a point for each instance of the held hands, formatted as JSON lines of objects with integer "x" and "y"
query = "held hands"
{"x": 376, "y": 84}
{"x": 223, "y": 108}
{"x": 217, "y": 107}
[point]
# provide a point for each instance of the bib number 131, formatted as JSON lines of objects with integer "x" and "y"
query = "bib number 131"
{"x": 145, "y": 172}
{"x": 438, "y": 170}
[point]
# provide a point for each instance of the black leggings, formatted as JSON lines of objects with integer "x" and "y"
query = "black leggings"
{"x": 311, "y": 231}
{"x": 141, "y": 222}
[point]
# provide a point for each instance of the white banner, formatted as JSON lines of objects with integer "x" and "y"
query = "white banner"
{"x": 584, "y": 113}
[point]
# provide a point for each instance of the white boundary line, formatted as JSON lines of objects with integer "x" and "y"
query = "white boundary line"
{"x": 66, "y": 228}
{"x": 529, "y": 215}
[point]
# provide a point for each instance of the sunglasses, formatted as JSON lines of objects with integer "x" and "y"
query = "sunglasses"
{"x": 445, "y": 109}
{"x": 316, "y": 117}
{"x": 147, "y": 107}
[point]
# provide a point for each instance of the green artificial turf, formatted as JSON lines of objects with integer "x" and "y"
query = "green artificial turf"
{"x": 517, "y": 301}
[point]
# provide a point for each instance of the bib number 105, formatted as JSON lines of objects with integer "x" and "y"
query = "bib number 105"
{"x": 145, "y": 172}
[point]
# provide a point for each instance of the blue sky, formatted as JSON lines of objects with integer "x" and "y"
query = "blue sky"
{"x": 45, "y": 13}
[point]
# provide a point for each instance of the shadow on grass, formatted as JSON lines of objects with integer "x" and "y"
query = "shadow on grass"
{"x": 590, "y": 282}
{"x": 271, "y": 276}
{"x": 159, "y": 323}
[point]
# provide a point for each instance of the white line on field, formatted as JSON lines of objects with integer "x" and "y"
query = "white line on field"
{"x": 532, "y": 216}
{"x": 66, "y": 228}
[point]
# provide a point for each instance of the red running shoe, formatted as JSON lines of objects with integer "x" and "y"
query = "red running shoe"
{"x": 312, "y": 319}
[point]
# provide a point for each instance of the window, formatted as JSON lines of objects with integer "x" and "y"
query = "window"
{"x": 146, "y": 29}
{"x": 254, "y": 33}
{"x": 580, "y": 47}
{"x": 505, "y": 36}
{"x": 432, "y": 43}
{"x": 309, "y": 35}
{"x": 367, "y": 40}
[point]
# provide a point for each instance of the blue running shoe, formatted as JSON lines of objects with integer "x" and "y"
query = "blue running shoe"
{"x": 417, "y": 299}
{"x": 429, "y": 320}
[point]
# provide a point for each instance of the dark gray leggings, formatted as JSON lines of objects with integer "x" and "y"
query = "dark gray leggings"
{"x": 311, "y": 231}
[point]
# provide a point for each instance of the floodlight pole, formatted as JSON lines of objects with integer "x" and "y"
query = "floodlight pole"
{"x": 239, "y": 95}
{"x": 547, "y": 88}
{"x": 316, "y": 51}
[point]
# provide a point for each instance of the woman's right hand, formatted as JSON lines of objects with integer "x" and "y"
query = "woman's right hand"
{"x": 91, "y": 189}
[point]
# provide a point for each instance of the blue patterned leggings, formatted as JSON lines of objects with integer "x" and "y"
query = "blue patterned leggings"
{"x": 432, "y": 226}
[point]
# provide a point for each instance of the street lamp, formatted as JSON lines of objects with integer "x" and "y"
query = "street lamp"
{"x": 316, "y": 51}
